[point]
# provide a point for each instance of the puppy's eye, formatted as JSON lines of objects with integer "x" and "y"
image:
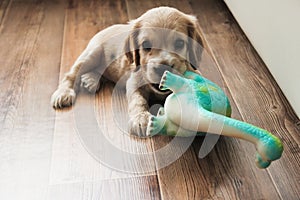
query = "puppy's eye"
{"x": 147, "y": 45}
{"x": 179, "y": 44}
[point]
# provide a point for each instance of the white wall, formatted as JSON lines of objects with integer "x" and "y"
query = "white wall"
{"x": 273, "y": 27}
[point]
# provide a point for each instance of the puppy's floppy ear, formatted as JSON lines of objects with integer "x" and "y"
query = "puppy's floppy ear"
{"x": 131, "y": 47}
{"x": 127, "y": 49}
{"x": 195, "y": 43}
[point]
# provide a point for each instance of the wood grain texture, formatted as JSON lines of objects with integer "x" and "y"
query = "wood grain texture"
{"x": 111, "y": 108}
{"x": 230, "y": 166}
{"x": 258, "y": 97}
{"x": 27, "y": 120}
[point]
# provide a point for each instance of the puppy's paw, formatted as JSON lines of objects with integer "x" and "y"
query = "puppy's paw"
{"x": 138, "y": 124}
{"x": 91, "y": 81}
{"x": 63, "y": 97}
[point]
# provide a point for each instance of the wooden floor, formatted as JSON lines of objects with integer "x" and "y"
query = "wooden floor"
{"x": 41, "y": 154}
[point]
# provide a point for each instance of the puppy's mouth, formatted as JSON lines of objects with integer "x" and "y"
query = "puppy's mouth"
{"x": 156, "y": 78}
{"x": 155, "y": 87}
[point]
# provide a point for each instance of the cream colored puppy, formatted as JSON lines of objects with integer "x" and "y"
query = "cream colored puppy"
{"x": 161, "y": 39}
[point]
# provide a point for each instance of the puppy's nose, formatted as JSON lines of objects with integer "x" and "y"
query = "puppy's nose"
{"x": 162, "y": 68}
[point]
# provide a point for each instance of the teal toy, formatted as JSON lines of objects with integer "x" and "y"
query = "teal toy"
{"x": 197, "y": 105}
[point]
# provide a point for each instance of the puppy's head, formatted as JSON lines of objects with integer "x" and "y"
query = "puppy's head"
{"x": 164, "y": 39}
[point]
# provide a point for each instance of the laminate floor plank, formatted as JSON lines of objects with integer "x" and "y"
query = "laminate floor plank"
{"x": 27, "y": 119}
{"x": 257, "y": 95}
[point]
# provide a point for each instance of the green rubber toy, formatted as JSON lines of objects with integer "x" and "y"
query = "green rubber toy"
{"x": 197, "y": 105}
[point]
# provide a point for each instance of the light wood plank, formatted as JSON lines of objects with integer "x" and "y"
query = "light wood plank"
{"x": 247, "y": 76}
{"x": 26, "y": 74}
{"x": 72, "y": 160}
{"x": 126, "y": 189}
{"x": 112, "y": 118}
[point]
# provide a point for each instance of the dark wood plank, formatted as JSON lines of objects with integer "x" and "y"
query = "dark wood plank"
{"x": 229, "y": 170}
{"x": 231, "y": 163}
{"x": 183, "y": 178}
{"x": 72, "y": 161}
{"x": 125, "y": 189}
{"x": 246, "y": 76}
{"x": 28, "y": 66}
{"x": 137, "y": 8}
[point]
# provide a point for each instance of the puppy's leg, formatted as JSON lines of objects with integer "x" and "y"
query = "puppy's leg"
{"x": 138, "y": 114}
{"x": 91, "y": 81}
{"x": 65, "y": 94}
{"x": 137, "y": 108}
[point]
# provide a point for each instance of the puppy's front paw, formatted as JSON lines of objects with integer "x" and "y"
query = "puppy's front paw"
{"x": 90, "y": 81}
{"x": 138, "y": 124}
{"x": 63, "y": 97}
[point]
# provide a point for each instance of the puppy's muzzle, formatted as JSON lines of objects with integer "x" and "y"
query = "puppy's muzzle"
{"x": 162, "y": 68}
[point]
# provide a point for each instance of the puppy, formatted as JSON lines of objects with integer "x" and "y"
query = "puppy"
{"x": 135, "y": 55}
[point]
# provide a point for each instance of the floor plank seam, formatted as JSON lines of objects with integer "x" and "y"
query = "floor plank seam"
{"x": 274, "y": 183}
{"x": 102, "y": 180}
{"x": 63, "y": 46}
